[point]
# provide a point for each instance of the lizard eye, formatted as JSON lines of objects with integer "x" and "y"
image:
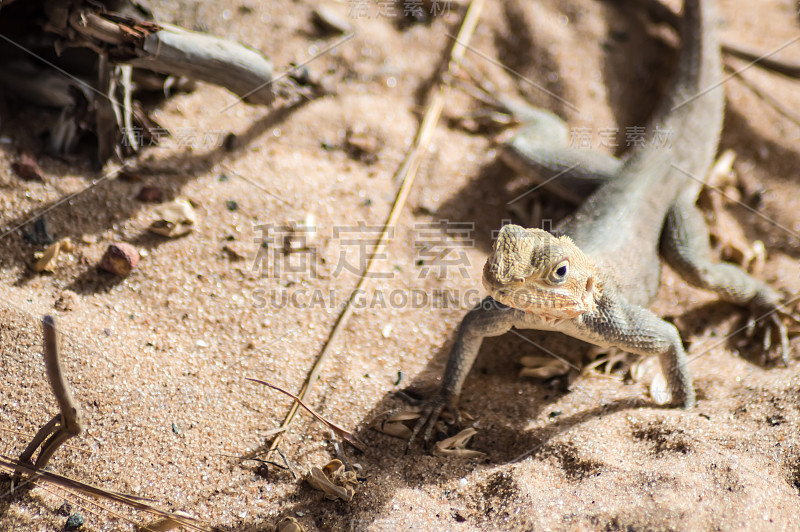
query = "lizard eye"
{"x": 559, "y": 273}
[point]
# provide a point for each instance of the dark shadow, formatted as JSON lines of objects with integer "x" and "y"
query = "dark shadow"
{"x": 496, "y": 196}
{"x": 518, "y": 49}
{"x": 740, "y": 136}
{"x": 470, "y": 203}
{"x": 5, "y": 486}
{"x": 637, "y": 70}
{"x": 502, "y": 434}
{"x": 735, "y": 338}
{"x": 93, "y": 280}
{"x": 168, "y": 174}
{"x": 23, "y": 489}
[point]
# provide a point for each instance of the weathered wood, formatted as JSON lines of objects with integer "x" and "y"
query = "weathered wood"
{"x": 180, "y": 52}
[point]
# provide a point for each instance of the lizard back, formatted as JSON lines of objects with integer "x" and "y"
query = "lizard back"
{"x": 620, "y": 224}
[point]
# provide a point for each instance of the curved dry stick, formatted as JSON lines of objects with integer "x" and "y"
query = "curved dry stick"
{"x": 67, "y": 423}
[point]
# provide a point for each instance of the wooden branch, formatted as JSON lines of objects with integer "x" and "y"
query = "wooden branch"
{"x": 180, "y": 52}
{"x": 177, "y": 51}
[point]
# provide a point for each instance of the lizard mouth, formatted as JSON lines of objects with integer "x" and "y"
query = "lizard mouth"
{"x": 560, "y": 304}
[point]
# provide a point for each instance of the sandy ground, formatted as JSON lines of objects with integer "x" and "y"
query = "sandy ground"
{"x": 158, "y": 360}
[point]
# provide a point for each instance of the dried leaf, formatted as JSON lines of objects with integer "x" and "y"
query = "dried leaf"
{"x": 289, "y": 524}
{"x": 455, "y": 446}
{"x": 543, "y": 368}
{"x": 334, "y": 480}
{"x": 48, "y": 258}
{"x": 393, "y": 428}
{"x": 174, "y": 219}
{"x": 405, "y": 415}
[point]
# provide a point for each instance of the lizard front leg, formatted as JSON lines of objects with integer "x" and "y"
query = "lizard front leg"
{"x": 488, "y": 318}
{"x": 632, "y": 328}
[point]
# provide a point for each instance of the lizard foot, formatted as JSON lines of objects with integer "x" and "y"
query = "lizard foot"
{"x": 773, "y": 326}
{"x": 432, "y": 412}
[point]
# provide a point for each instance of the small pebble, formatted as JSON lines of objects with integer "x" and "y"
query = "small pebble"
{"x": 232, "y": 205}
{"x": 120, "y": 259}
{"x": 67, "y": 300}
{"x": 150, "y": 194}
{"x": 40, "y": 234}
{"x": 65, "y": 509}
{"x": 328, "y": 20}
{"x": 27, "y": 168}
{"x": 74, "y": 522}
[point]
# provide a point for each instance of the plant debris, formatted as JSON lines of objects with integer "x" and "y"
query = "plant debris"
{"x": 349, "y": 437}
{"x": 47, "y": 259}
{"x": 456, "y": 446}
{"x": 174, "y": 219}
{"x": 165, "y": 524}
{"x": 543, "y": 367}
{"x": 289, "y": 524}
{"x": 334, "y": 480}
{"x": 648, "y": 369}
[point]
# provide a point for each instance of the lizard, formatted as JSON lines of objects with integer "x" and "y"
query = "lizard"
{"x": 594, "y": 275}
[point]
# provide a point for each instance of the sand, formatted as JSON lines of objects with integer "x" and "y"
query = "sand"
{"x": 158, "y": 360}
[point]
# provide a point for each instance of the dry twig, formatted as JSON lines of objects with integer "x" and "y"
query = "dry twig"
{"x": 406, "y": 173}
{"x": 128, "y": 500}
{"x": 64, "y": 425}
{"x": 345, "y": 435}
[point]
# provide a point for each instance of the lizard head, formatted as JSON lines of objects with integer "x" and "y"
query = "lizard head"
{"x": 536, "y": 272}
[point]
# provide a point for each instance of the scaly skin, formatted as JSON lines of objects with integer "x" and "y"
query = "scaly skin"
{"x": 594, "y": 279}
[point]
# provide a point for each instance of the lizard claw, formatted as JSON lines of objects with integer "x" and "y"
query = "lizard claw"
{"x": 773, "y": 325}
{"x": 431, "y": 411}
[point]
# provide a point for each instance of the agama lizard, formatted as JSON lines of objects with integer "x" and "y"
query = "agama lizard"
{"x": 594, "y": 276}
